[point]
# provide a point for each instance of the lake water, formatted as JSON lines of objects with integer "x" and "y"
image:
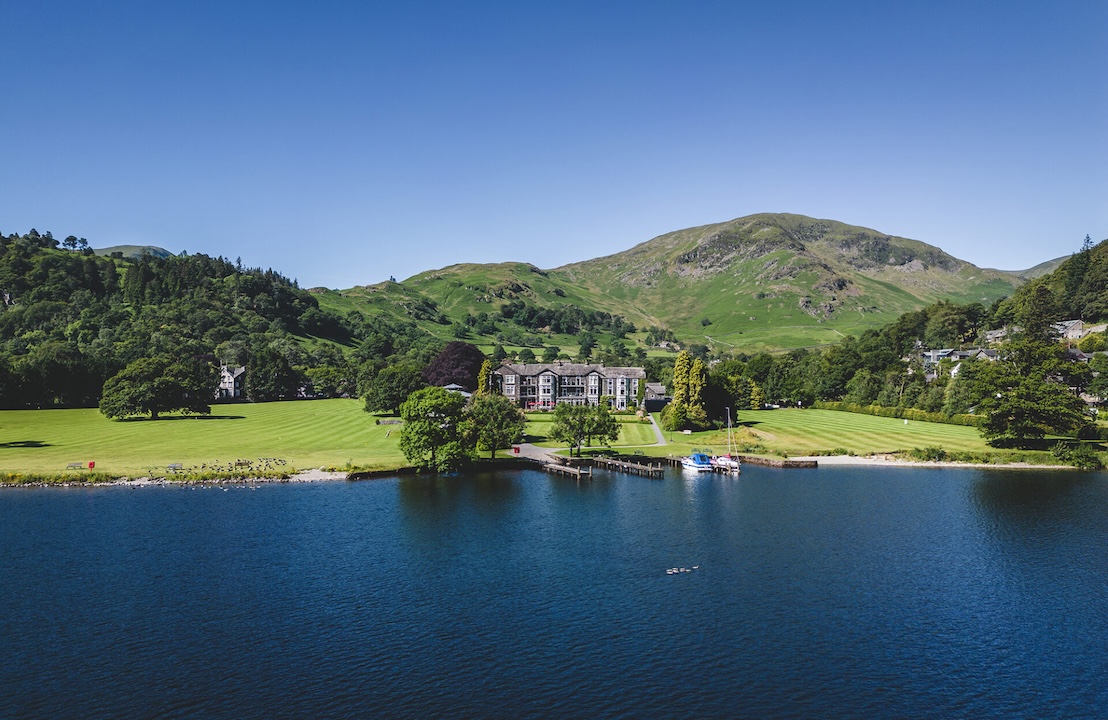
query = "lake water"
{"x": 830, "y": 593}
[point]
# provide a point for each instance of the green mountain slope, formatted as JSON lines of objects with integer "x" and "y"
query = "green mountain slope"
{"x": 1043, "y": 268}
{"x": 780, "y": 280}
{"x": 767, "y": 281}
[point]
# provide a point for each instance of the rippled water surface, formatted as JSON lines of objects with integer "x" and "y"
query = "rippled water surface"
{"x": 831, "y": 593}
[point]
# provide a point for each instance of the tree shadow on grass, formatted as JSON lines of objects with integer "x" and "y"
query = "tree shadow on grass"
{"x": 184, "y": 417}
{"x": 25, "y": 444}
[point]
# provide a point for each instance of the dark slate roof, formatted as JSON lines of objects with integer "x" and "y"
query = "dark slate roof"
{"x": 569, "y": 370}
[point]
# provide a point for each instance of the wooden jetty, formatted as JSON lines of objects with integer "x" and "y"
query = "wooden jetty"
{"x": 568, "y": 470}
{"x": 631, "y": 468}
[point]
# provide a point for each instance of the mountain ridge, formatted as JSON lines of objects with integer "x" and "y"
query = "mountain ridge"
{"x": 767, "y": 281}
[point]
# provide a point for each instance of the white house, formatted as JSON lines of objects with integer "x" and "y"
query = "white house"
{"x": 232, "y": 382}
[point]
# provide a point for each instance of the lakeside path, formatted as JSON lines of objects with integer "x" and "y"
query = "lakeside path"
{"x": 658, "y": 431}
{"x": 534, "y": 452}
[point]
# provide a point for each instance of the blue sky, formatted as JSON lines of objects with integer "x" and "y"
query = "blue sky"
{"x": 342, "y": 143}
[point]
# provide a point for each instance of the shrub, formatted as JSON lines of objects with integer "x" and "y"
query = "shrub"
{"x": 929, "y": 454}
{"x": 1079, "y": 455}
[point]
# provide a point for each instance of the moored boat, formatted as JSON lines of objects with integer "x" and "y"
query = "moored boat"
{"x": 698, "y": 462}
{"x": 727, "y": 463}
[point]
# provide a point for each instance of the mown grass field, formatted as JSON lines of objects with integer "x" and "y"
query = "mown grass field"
{"x": 338, "y": 433}
{"x": 306, "y": 434}
{"x": 631, "y": 432}
{"x": 806, "y": 432}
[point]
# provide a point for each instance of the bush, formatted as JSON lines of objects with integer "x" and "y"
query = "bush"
{"x": 1079, "y": 455}
{"x": 928, "y": 454}
{"x": 832, "y": 452}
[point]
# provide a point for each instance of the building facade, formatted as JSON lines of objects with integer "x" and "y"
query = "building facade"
{"x": 544, "y": 385}
{"x": 232, "y": 382}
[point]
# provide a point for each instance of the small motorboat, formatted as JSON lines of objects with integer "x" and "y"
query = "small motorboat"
{"x": 698, "y": 462}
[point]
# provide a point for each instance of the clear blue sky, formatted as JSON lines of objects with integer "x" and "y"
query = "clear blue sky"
{"x": 342, "y": 143}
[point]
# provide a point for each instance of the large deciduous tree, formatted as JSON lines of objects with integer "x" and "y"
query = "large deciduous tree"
{"x": 392, "y": 385}
{"x": 570, "y": 425}
{"x": 459, "y": 363}
{"x": 435, "y": 435}
{"x": 601, "y": 424}
{"x": 271, "y": 375}
{"x": 496, "y": 421}
{"x": 154, "y": 385}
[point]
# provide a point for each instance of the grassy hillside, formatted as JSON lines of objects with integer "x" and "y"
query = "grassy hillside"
{"x": 782, "y": 280}
{"x": 770, "y": 281}
{"x": 1043, "y": 268}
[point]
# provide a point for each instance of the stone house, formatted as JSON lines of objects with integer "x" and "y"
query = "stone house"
{"x": 536, "y": 386}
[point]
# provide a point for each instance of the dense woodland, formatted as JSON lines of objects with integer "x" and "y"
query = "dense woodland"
{"x": 70, "y": 321}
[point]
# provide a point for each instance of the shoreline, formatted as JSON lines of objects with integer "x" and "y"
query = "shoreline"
{"x": 891, "y": 461}
{"x": 315, "y": 475}
{"x": 304, "y": 476}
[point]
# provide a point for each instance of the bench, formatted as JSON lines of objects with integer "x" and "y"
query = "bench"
{"x": 175, "y": 466}
{"x": 75, "y": 466}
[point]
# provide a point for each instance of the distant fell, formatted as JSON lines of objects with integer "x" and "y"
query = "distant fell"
{"x": 1043, "y": 268}
{"x": 765, "y": 281}
{"x": 783, "y": 280}
{"x": 133, "y": 252}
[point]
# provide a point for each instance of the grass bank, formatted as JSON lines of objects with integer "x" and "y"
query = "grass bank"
{"x": 282, "y": 435}
{"x": 791, "y": 433}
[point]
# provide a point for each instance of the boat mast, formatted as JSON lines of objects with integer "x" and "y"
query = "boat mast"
{"x": 729, "y": 451}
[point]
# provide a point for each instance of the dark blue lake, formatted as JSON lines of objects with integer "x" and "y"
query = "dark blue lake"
{"x": 831, "y": 593}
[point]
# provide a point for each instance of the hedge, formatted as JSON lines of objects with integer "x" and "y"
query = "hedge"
{"x": 899, "y": 412}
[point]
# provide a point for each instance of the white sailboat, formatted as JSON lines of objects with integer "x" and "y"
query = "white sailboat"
{"x": 728, "y": 462}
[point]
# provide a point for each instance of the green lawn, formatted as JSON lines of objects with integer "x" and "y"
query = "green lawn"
{"x": 631, "y": 431}
{"x": 335, "y": 433}
{"x": 804, "y": 432}
{"x": 306, "y": 434}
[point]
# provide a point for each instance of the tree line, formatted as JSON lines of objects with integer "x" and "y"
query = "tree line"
{"x": 71, "y": 320}
{"x": 1030, "y": 388}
